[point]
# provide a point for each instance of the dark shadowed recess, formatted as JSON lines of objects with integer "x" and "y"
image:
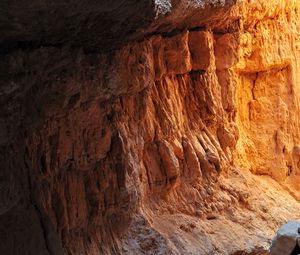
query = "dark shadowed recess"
{"x": 95, "y": 24}
{"x": 103, "y": 25}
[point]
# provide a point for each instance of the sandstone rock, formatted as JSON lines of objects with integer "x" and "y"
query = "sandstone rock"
{"x": 200, "y": 56}
{"x": 296, "y": 150}
{"x": 120, "y": 121}
{"x": 191, "y": 159}
{"x": 169, "y": 160}
{"x": 177, "y": 63}
{"x": 226, "y": 138}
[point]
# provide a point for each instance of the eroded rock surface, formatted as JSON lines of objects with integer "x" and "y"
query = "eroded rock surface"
{"x": 151, "y": 127}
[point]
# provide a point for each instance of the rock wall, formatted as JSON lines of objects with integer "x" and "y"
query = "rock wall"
{"x": 181, "y": 139}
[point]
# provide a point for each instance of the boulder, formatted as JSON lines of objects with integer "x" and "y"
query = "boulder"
{"x": 286, "y": 239}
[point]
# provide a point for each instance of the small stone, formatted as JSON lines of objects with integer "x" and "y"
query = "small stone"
{"x": 286, "y": 238}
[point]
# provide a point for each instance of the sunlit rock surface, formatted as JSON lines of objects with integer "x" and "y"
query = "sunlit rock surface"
{"x": 140, "y": 127}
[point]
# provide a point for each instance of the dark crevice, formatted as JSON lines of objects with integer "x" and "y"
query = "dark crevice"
{"x": 39, "y": 214}
{"x": 33, "y": 201}
{"x": 44, "y": 230}
{"x": 296, "y": 251}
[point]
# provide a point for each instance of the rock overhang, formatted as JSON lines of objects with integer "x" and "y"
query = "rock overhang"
{"x": 100, "y": 25}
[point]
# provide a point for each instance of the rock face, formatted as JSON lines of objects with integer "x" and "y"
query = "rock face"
{"x": 148, "y": 127}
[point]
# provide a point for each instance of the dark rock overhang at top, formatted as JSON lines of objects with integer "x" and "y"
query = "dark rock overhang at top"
{"x": 101, "y": 25}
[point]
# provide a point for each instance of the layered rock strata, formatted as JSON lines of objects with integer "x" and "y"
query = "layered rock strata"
{"x": 181, "y": 139}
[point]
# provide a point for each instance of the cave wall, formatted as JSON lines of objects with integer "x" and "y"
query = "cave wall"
{"x": 98, "y": 147}
{"x": 269, "y": 75}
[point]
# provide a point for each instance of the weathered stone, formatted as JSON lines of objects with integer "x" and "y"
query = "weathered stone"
{"x": 120, "y": 121}
{"x": 286, "y": 239}
{"x": 201, "y": 49}
{"x": 169, "y": 160}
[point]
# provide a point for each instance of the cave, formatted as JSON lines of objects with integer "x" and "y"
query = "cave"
{"x": 148, "y": 127}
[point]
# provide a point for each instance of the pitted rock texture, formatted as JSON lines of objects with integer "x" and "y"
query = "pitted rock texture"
{"x": 180, "y": 137}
